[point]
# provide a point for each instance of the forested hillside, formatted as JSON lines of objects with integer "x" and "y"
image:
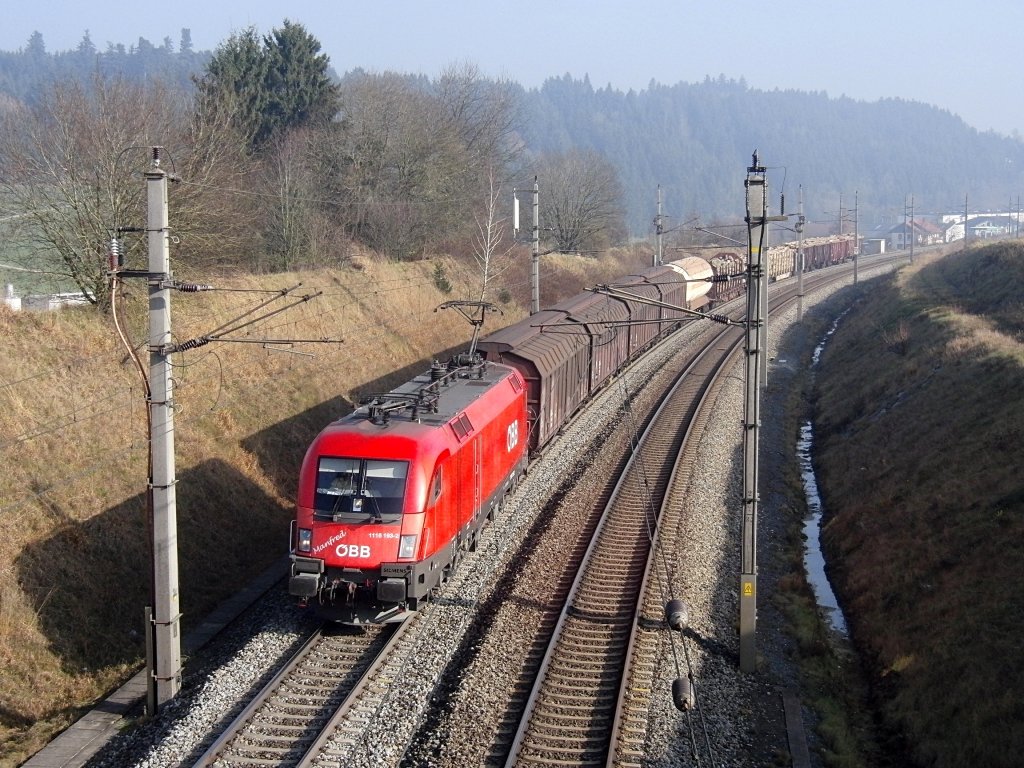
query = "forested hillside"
{"x": 26, "y": 73}
{"x": 693, "y": 139}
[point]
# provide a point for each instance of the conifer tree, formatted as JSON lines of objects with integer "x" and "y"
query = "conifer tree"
{"x": 268, "y": 85}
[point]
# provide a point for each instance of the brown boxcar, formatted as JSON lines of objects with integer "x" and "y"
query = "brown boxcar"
{"x": 555, "y": 366}
{"x": 601, "y": 319}
{"x": 645, "y": 319}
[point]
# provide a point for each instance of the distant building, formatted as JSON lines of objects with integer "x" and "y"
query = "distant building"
{"x": 981, "y": 225}
{"x": 872, "y": 245}
{"x": 42, "y": 303}
{"x": 901, "y": 235}
{"x": 987, "y": 226}
{"x": 12, "y": 301}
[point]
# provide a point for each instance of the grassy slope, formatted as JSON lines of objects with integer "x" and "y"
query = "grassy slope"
{"x": 920, "y": 420}
{"x": 73, "y": 542}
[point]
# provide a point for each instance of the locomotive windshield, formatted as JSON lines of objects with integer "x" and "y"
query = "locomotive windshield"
{"x": 370, "y": 487}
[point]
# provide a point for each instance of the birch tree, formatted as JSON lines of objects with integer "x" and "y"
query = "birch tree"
{"x": 491, "y": 250}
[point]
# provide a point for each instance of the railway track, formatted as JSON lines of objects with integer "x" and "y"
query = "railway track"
{"x": 305, "y": 714}
{"x": 293, "y": 715}
{"x": 588, "y": 705}
{"x": 578, "y": 695}
{"x": 572, "y": 708}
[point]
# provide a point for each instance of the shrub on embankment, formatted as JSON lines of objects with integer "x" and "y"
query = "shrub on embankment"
{"x": 919, "y": 412}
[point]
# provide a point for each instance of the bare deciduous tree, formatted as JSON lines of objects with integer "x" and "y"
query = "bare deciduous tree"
{"x": 483, "y": 113}
{"x": 289, "y": 204}
{"x": 397, "y": 166}
{"x": 70, "y": 170}
{"x": 581, "y": 201}
{"x": 412, "y": 157}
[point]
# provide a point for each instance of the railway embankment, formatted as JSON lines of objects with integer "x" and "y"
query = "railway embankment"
{"x": 918, "y": 407}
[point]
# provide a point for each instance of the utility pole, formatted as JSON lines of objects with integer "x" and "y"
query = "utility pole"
{"x": 913, "y": 237}
{"x": 856, "y": 235}
{"x": 163, "y": 617}
{"x": 658, "y": 230}
{"x": 840, "y": 214}
{"x": 165, "y": 672}
{"x": 905, "y": 209}
{"x": 800, "y": 257}
{"x": 764, "y": 244}
{"x": 535, "y": 262}
{"x": 757, "y": 223}
{"x": 965, "y": 221}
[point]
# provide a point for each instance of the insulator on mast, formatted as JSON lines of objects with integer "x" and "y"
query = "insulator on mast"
{"x": 192, "y": 287}
{"x": 116, "y": 257}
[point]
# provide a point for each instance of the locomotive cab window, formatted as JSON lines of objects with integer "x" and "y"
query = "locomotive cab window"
{"x": 371, "y": 487}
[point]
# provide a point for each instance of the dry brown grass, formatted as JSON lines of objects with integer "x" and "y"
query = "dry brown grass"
{"x": 73, "y": 547}
{"x": 920, "y": 419}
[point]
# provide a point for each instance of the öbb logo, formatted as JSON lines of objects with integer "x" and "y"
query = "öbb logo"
{"x": 512, "y": 436}
{"x": 353, "y": 550}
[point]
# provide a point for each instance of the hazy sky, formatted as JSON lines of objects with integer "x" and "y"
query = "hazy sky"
{"x": 960, "y": 57}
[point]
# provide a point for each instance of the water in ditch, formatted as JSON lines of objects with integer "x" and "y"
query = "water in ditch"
{"x": 814, "y": 559}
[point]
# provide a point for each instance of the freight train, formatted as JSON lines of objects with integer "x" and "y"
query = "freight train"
{"x": 392, "y": 495}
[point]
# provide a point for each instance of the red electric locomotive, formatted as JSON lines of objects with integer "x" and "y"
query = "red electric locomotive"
{"x": 391, "y": 494}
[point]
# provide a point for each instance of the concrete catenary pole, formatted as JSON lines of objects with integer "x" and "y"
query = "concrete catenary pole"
{"x": 166, "y": 671}
{"x": 906, "y": 214}
{"x": 913, "y": 236}
{"x": 800, "y": 257}
{"x": 535, "y": 262}
{"x": 659, "y": 257}
{"x": 757, "y": 222}
{"x": 856, "y": 235}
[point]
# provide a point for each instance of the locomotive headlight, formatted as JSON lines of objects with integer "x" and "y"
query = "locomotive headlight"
{"x": 407, "y": 545}
{"x": 305, "y": 539}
